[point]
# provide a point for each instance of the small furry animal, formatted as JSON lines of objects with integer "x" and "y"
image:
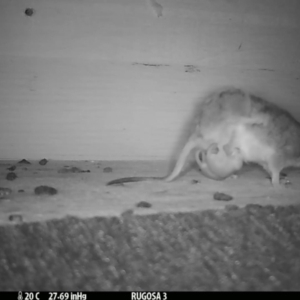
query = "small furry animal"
{"x": 233, "y": 119}
{"x": 216, "y": 164}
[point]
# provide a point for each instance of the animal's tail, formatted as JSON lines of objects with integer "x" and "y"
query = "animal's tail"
{"x": 132, "y": 179}
{"x": 193, "y": 142}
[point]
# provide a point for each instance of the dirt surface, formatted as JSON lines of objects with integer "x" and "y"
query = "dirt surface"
{"x": 85, "y": 194}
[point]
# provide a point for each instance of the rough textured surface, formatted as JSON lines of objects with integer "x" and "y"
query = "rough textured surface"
{"x": 250, "y": 248}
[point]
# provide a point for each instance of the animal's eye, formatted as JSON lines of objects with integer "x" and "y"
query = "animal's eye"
{"x": 214, "y": 149}
{"x": 200, "y": 156}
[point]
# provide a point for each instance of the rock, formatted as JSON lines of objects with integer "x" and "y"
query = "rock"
{"x": 24, "y": 161}
{"x": 194, "y": 181}
{"x": 107, "y": 170}
{"x": 43, "y": 161}
{"x": 11, "y": 176}
{"x": 144, "y": 204}
{"x": 12, "y": 168}
{"x": 17, "y": 218}
{"x": 45, "y": 190}
{"x": 222, "y": 197}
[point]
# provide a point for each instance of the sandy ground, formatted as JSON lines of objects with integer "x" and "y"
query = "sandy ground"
{"x": 86, "y": 194}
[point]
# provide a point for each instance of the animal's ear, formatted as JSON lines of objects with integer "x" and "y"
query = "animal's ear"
{"x": 200, "y": 155}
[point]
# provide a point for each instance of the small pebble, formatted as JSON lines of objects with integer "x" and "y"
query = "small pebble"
{"x": 194, "y": 181}
{"x": 12, "y": 168}
{"x": 11, "y": 176}
{"x": 107, "y": 170}
{"x": 43, "y": 161}
{"x": 29, "y": 12}
{"x": 222, "y": 197}
{"x": 44, "y": 189}
{"x": 24, "y": 161}
{"x": 144, "y": 204}
{"x": 17, "y": 218}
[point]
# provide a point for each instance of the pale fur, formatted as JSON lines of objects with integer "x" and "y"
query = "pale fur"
{"x": 218, "y": 165}
{"x": 246, "y": 129}
{"x": 263, "y": 132}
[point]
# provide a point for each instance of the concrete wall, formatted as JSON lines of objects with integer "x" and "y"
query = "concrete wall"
{"x": 117, "y": 79}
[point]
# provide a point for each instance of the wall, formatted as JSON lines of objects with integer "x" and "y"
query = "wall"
{"x": 117, "y": 79}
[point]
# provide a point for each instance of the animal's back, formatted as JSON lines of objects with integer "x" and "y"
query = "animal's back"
{"x": 281, "y": 130}
{"x": 223, "y": 112}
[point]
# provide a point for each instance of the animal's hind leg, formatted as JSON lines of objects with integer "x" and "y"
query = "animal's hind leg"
{"x": 193, "y": 142}
{"x": 274, "y": 167}
{"x": 275, "y": 177}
